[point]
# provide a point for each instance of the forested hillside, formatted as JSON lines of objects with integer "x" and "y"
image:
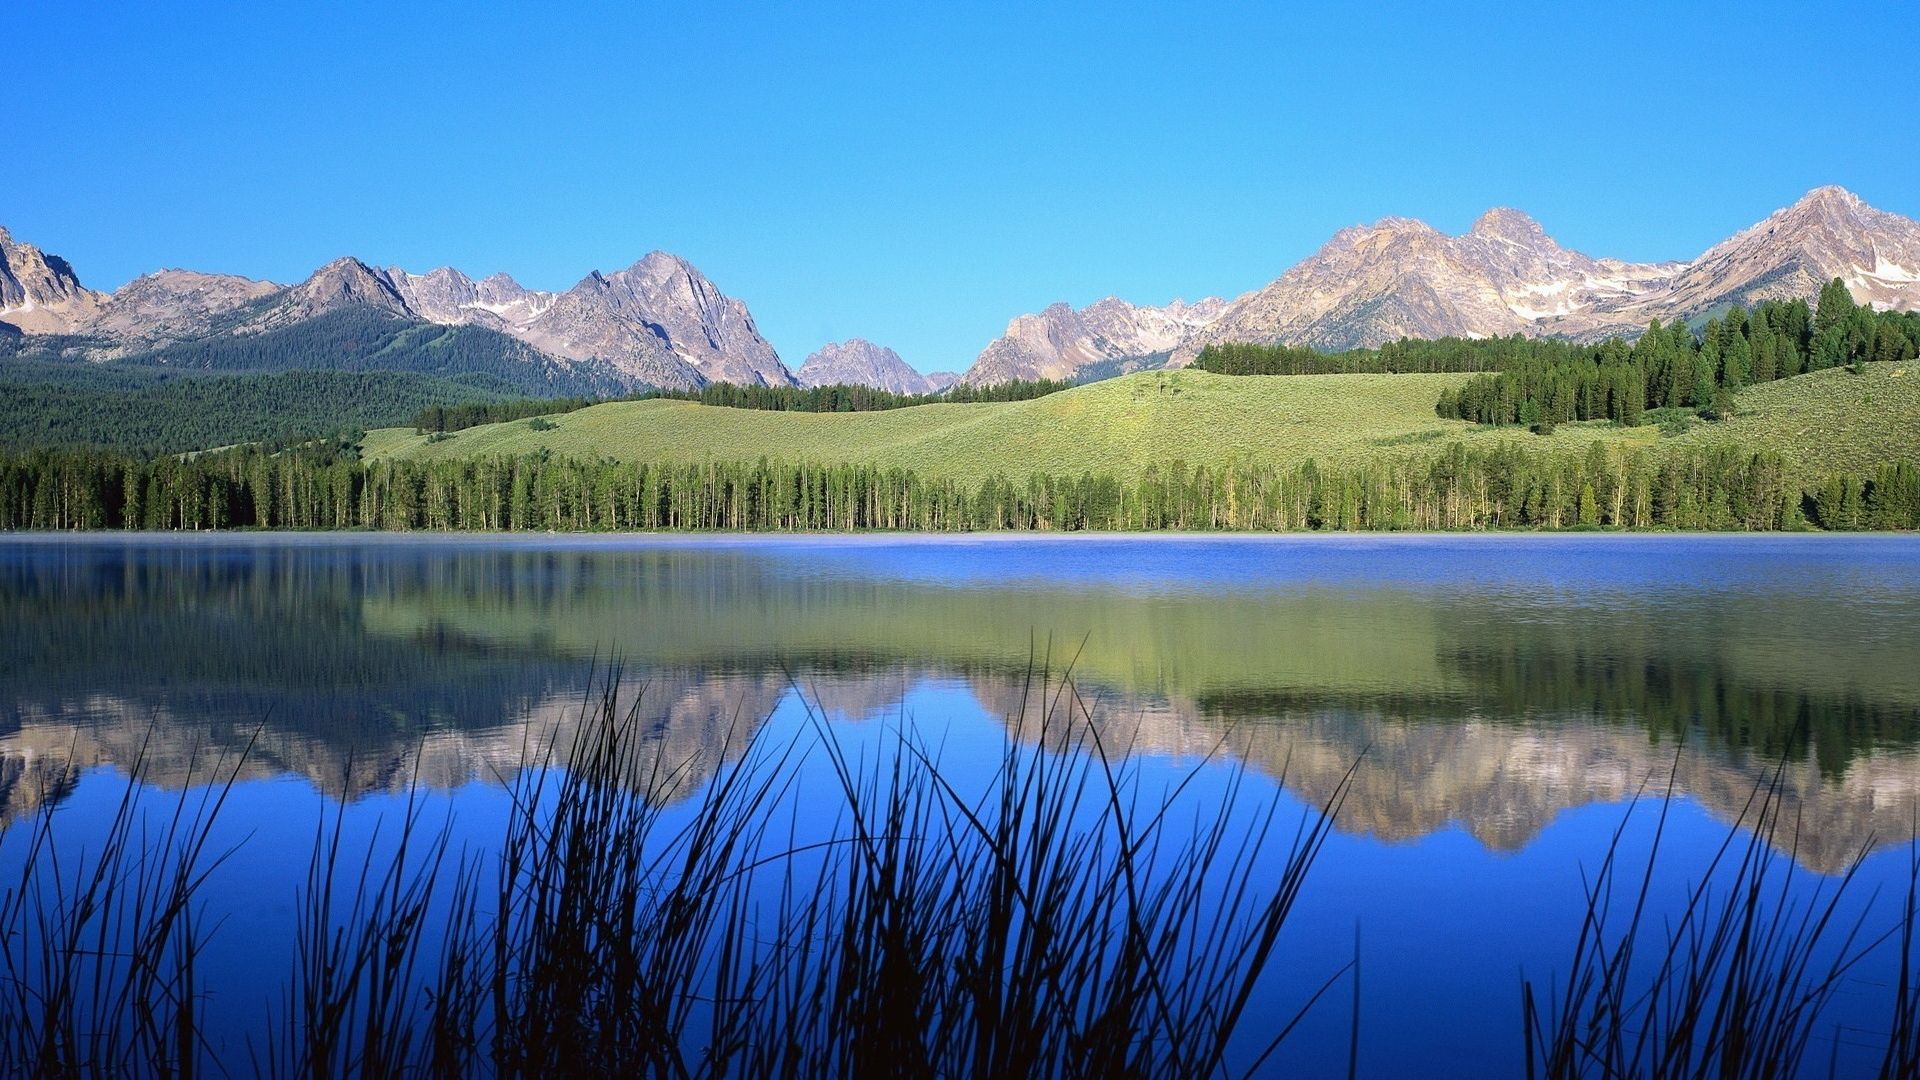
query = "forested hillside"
{"x": 366, "y": 339}
{"x": 145, "y": 410}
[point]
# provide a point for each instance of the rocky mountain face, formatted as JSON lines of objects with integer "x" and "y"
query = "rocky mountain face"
{"x": 173, "y": 305}
{"x": 1397, "y": 278}
{"x": 40, "y": 293}
{"x": 342, "y": 283}
{"x": 655, "y": 319}
{"x": 1402, "y": 278}
{"x": 1062, "y": 343}
{"x": 859, "y": 362}
{"x": 659, "y": 322}
{"x": 1830, "y": 233}
{"x": 450, "y": 297}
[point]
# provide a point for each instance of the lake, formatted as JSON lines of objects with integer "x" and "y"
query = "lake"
{"x": 1490, "y": 706}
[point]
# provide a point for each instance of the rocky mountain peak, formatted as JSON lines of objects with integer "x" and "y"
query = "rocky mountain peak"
{"x": 660, "y": 321}
{"x": 662, "y": 265}
{"x": 1830, "y": 195}
{"x": 665, "y": 298}
{"x": 1506, "y": 223}
{"x": 1828, "y": 233}
{"x": 446, "y": 295}
{"x": 1408, "y": 225}
{"x": 39, "y": 292}
{"x": 348, "y": 281}
{"x": 1370, "y": 285}
{"x": 1061, "y": 343}
{"x": 859, "y": 362}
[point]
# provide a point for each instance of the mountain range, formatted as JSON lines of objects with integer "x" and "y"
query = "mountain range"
{"x": 1401, "y": 278}
{"x": 661, "y": 322}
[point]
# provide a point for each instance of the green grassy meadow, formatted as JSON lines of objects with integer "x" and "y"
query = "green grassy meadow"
{"x": 1828, "y": 421}
{"x": 1822, "y": 421}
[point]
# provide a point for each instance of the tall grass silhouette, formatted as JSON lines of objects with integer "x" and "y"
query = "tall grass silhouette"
{"x": 634, "y": 920}
{"x": 1739, "y": 983}
{"x": 819, "y": 905}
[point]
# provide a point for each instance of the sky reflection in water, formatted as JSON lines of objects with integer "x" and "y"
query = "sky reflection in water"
{"x": 1509, "y": 695}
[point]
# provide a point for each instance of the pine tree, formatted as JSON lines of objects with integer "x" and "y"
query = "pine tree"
{"x": 1833, "y": 307}
{"x": 1704, "y": 387}
{"x": 1736, "y": 362}
{"x": 1765, "y": 360}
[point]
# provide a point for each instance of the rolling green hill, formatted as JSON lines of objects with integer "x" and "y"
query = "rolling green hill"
{"x": 1120, "y": 425}
{"x": 1832, "y": 419}
{"x": 1828, "y": 421}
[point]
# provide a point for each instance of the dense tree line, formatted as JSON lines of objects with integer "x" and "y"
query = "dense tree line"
{"x": 837, "y": 398}
{"x": 1671, "y": 367}
{"x": 855, "y": 398}
{"x": 467, "y": 414}
{"x": 1409, "y": 356}
{"x": 1501, "y": 487}
{"x": 144, "y": 411}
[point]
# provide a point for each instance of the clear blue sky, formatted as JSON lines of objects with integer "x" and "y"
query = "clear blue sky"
{"x": 918, "y": 174}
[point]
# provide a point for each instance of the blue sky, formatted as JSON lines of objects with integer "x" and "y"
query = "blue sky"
{"x": 918, "y": 174}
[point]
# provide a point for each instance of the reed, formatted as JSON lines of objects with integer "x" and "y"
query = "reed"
{"x": 98, "y": 948}
{"x": 1738, "y": 984}
{"x": 822, "y": 905}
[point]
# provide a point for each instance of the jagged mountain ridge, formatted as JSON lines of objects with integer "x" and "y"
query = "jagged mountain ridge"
{"x": 40, "y": 293}
{"x": 859, "y": 362}
{"x": 659, "y": 322}
{"x": 1398, "y": 277}
{"x": 1830, "y": 233}
{"x": 1061, "y": 342}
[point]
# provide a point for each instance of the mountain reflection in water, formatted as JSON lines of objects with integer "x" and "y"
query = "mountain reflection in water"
{"x": 1490, "y": 683}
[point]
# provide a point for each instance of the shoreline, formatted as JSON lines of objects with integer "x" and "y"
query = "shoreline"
{"x": 878, "y": 538}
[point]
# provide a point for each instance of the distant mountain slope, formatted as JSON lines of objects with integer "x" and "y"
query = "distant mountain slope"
{"x": 173, "y": 305}
{"x": 661, "y": 322}
{"x": 1398, "y": 277}
{"x": 858, "y": 362}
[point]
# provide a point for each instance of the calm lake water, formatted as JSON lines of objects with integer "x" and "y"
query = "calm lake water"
{"x": 1505, "y": 697}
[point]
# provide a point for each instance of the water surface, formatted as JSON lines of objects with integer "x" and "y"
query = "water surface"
{"x": 1505, "y": 698}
